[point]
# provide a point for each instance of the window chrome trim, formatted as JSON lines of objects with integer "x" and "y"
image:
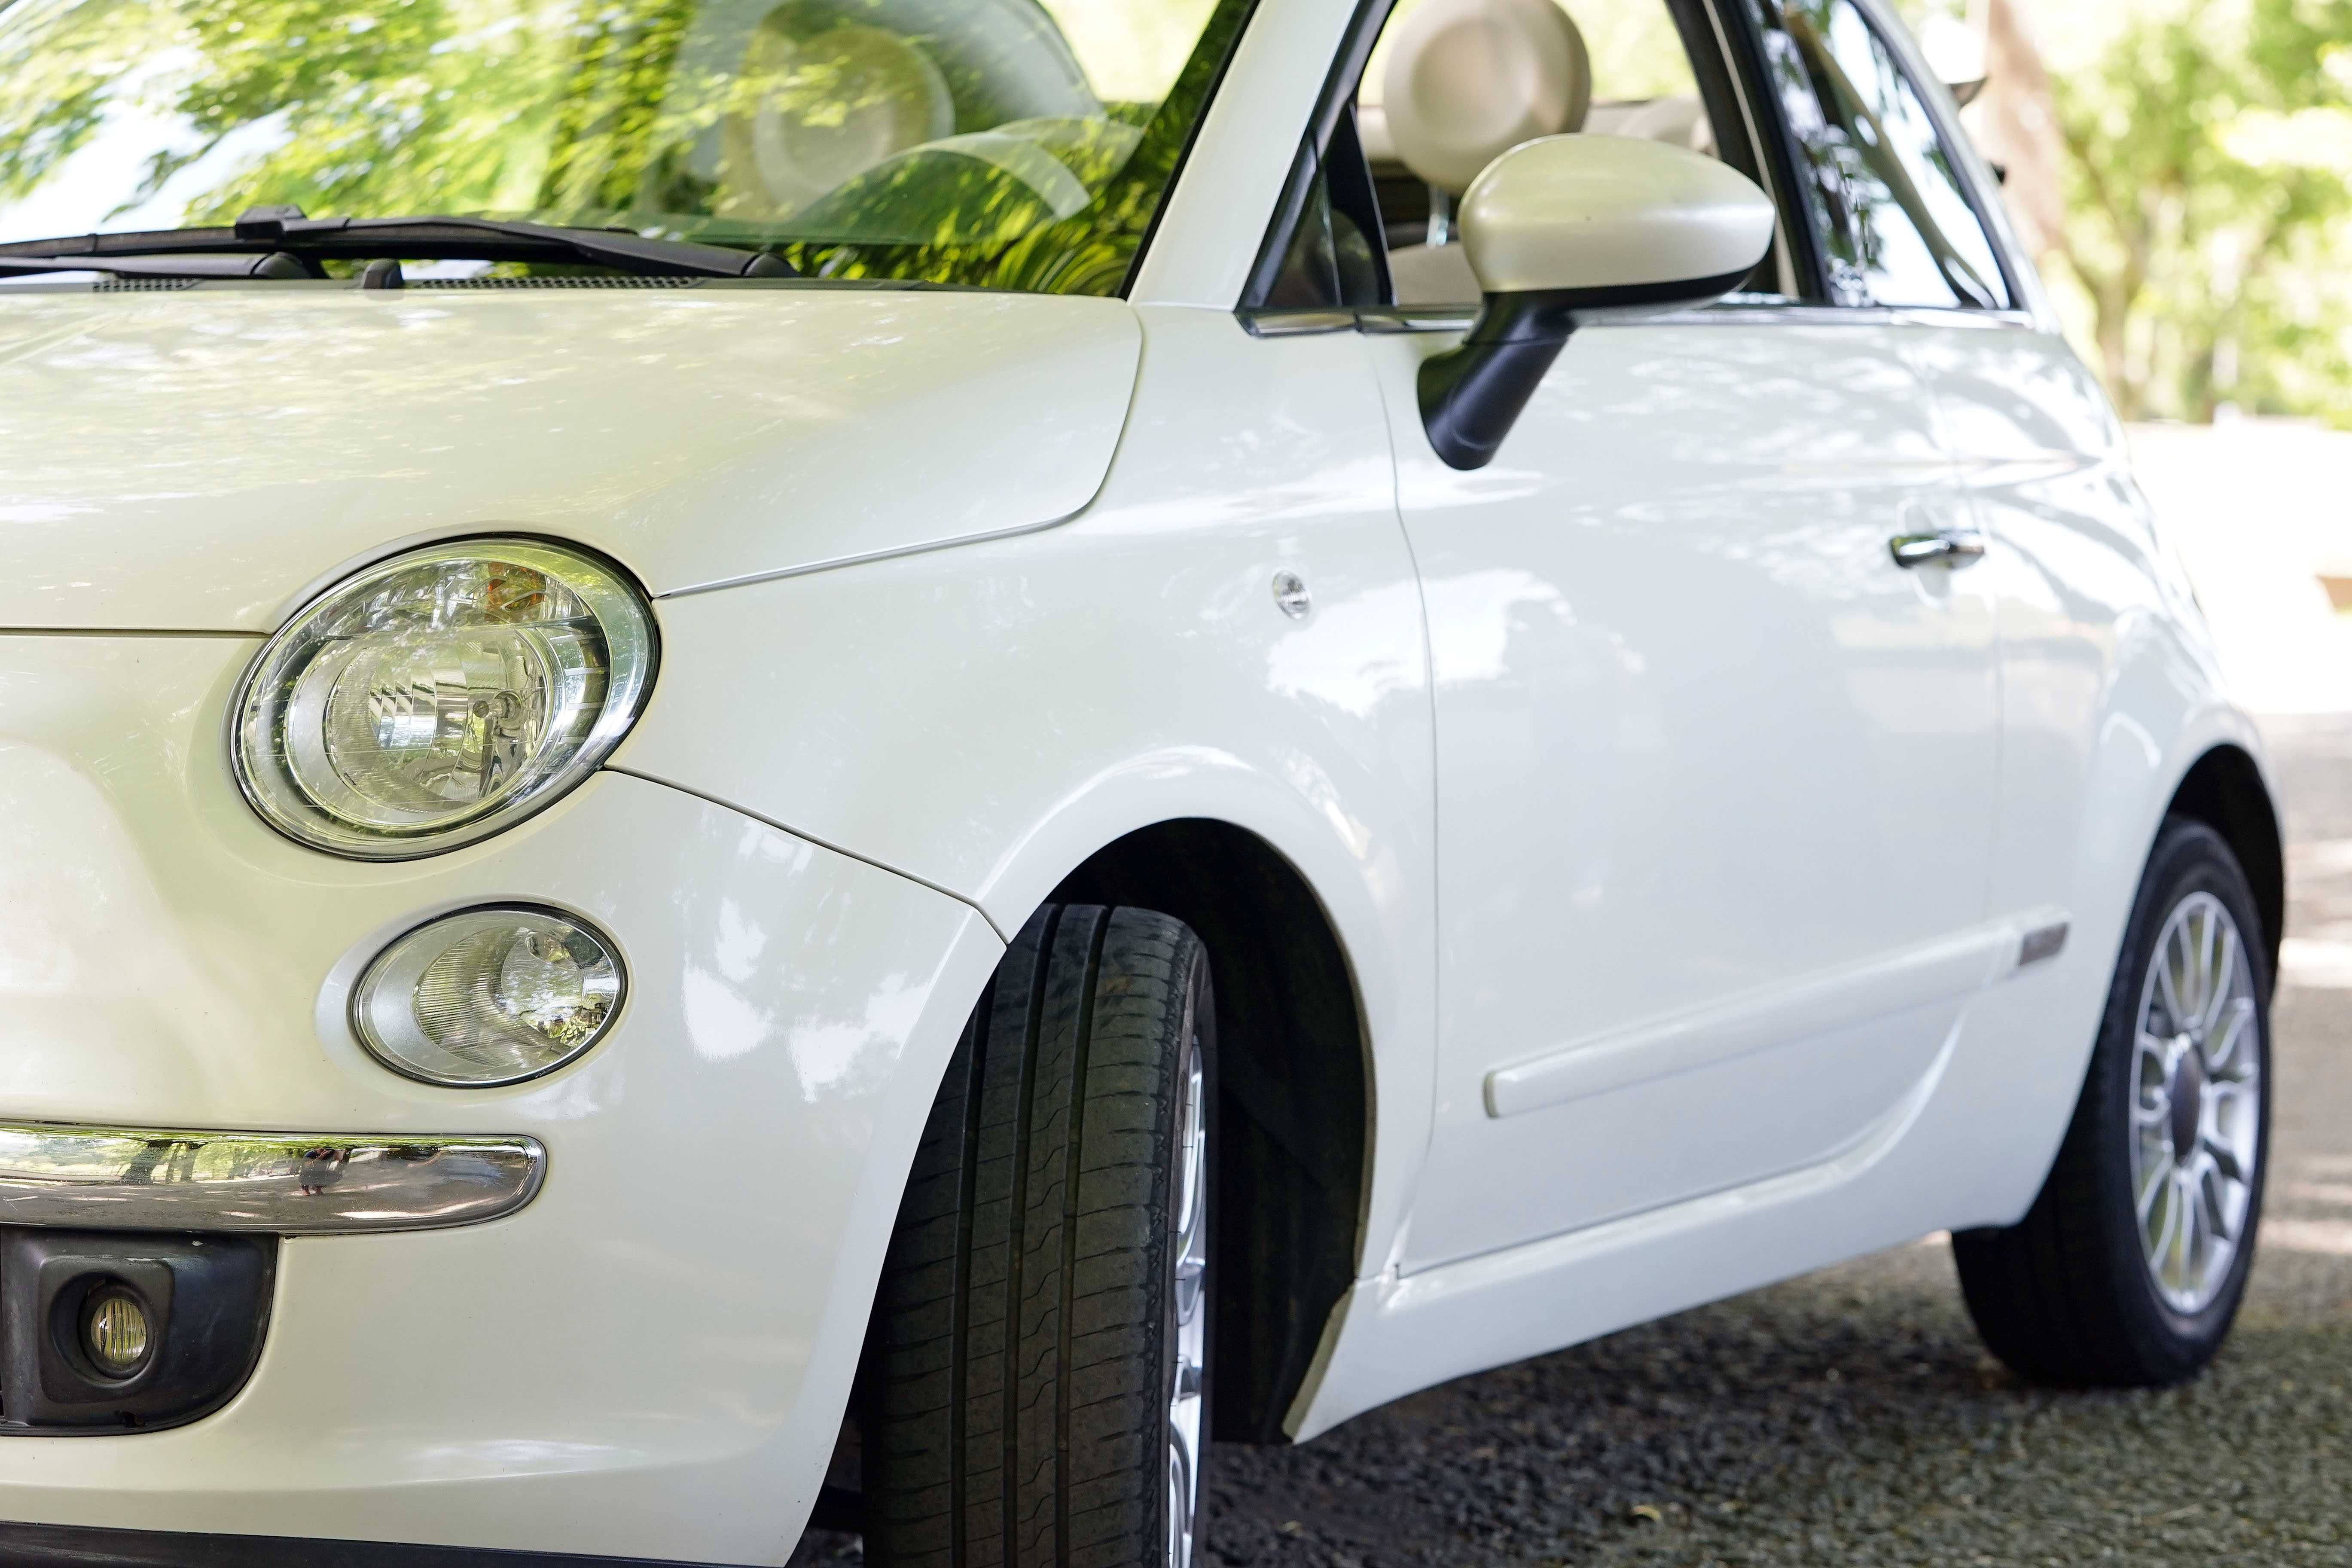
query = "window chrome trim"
{"x": 1737, "y": 310}
{"x": 1739, "y": 64}
{"x": 1416, "y": 317}
{"x": 282, "y": 1184}
{"x": 1813, "y": 313}
{"x": 1981, "y": 192}
{"x": 1277, "y": 321}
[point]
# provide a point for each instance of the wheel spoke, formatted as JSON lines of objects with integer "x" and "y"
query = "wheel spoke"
{"x": 2184, "y": 1235}
{"x": 2151, "y": 1098}
{"x": 2159, "y": 1243}
{"x": 2214, "y": 1200}
{"x": 2152, "y": 1185}
{"x": 2222, "y": 1039}
{"x": 2224, "y": 1158}
{"x": 2169, "y": 992}
{"x": 2207, "y": 929}
{"x": 2220, "y": 979}
{"x": 2230, "y": 1106}
{"x": 1181, "y": 1494}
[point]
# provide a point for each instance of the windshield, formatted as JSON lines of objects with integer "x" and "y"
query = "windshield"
{"x": 1002, "y": 143}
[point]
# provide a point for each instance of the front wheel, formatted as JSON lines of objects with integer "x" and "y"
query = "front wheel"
{"x": 2128, "y": 1269}
{"x": 1038, "y": 1376}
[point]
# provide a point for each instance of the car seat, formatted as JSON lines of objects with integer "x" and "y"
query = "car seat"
{"x": 1468, "y": 81}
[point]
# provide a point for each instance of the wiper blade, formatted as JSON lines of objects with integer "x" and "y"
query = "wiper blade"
{"x": 285, "y": 231}
{"x": 285, "y": 228}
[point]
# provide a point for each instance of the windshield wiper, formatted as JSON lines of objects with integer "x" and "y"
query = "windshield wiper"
{"x": 284, "y": 232}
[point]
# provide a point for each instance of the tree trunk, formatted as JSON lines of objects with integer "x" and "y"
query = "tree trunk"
{"x": 2015, "y": 122}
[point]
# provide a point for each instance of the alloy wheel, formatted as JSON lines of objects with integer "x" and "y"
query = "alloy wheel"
{"x": 2197, "y": 1103}
{"x": 1187, "y": 1286}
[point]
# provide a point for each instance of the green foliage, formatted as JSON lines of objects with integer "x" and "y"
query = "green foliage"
{"x": 59, "y": 81}
{"x": 2206, "y": 155}
{"x": 650, "y": 115}
{"x": 1089, "y": 253}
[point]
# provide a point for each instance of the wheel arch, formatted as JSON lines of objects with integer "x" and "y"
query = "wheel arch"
{"x": 2224, "y": 789}
{"x": 1293, "y": 1097}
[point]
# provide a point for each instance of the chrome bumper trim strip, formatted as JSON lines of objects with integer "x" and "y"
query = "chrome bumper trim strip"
{"x": 282, "y": 1184}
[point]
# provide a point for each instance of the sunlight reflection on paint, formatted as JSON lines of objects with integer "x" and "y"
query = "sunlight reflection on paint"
{"x": 826, "y": 1053}
{"x": 1353, "y": 653}
{"x": 720, "y": 1025}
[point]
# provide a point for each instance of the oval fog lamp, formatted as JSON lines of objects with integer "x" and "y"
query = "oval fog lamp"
{"x": 488, "y": 996}
{"x": 115, "y": 1333}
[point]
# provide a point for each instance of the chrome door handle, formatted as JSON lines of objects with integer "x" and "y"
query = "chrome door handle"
{"x": 1953, "y": 546}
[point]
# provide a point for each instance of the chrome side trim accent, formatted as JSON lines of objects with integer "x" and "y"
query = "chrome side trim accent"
{"x": 283, "y": 1183}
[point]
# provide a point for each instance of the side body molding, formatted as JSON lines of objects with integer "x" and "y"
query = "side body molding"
{"x": 1940, "y": 971}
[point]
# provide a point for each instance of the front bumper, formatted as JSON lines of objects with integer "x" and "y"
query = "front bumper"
{"x": 650, "y": 1358}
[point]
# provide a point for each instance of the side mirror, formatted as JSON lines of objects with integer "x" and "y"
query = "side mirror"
{"x": 1565, "y": 229}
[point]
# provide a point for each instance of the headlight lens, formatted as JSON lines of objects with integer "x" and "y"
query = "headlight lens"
{"x": 441, "y": 696}
{"x": 488, "y": 996}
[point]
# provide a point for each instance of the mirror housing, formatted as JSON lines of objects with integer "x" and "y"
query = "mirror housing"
{"x": 1567, "y": 229}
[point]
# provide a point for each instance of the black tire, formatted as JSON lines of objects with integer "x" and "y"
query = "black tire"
{"x": 2066, "y": 1295}
{"x": 1017, "y": 1406}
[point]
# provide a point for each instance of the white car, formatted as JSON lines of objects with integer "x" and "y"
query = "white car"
{"x": 781, "y": 761}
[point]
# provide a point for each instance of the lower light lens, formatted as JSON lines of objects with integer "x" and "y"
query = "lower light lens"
{"x": 488, "y": 996}
{"x": 114, "y": 1332}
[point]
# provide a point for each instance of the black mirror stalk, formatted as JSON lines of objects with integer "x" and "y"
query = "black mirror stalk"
{"x": 1473, "y": 394}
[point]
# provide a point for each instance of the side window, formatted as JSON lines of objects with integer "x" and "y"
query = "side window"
{"x": 1453, "y": 84}
{"x": 1893, "y": 223}
{"x": 1331, "y": 262}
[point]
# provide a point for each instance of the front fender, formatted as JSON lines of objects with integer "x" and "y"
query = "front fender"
{"x": 984, "y": 719}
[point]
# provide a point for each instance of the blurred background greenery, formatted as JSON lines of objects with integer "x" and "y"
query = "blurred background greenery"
{"x": 2183, "y": 170}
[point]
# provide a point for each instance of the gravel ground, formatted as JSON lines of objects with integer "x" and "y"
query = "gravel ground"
{"x": 1851, "y": 1416}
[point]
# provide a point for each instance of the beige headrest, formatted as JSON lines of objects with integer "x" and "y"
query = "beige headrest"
{"x": 1470, "y": 79}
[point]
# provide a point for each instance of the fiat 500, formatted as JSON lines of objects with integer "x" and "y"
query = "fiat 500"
{"x": 868, "y": 760}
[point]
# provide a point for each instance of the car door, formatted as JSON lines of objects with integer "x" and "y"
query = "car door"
{"x": 1716, "y": 775}
{"x": 2041, "y": 455}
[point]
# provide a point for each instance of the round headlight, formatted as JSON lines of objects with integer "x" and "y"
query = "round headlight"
{"x": 488, "y": 996}
{"x": 441, "y": 696}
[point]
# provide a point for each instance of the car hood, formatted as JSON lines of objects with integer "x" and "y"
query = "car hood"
{"x": 203, "y": 459}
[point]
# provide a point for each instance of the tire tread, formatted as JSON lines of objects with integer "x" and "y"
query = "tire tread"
{"x": 1012, "y": 1409}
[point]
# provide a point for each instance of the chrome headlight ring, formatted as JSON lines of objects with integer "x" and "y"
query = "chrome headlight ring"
{"x": 441, "y": 696}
